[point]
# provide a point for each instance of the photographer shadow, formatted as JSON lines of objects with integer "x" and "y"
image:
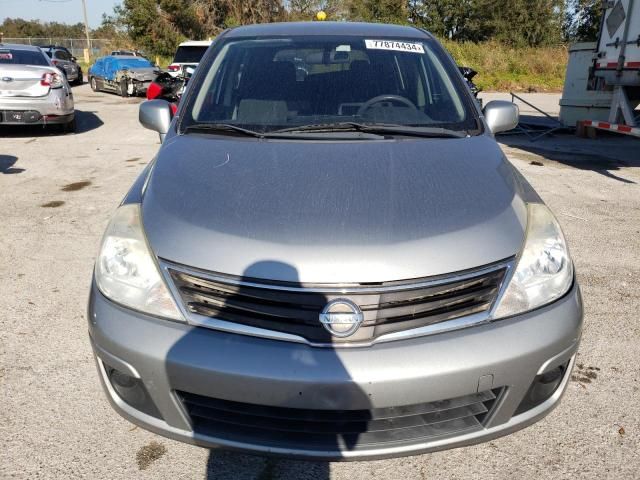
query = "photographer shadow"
{"x": 294, "y": 398}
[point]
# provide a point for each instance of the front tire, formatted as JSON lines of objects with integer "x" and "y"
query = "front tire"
{"x": 124, "y": 93}
{"x": 80, "y": 79}
{"x": 93, "y": 83}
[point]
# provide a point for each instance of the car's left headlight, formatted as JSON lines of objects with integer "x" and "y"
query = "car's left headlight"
{"x": 544, "y": 270}
{"x": 126, "y": 271}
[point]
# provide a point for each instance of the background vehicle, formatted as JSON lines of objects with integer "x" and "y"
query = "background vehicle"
{"x": 128, "y": 53}
{"x": 188, "y": 54}
{"x": 168, "y": 87}
{"x": 33, "y": 90}
{"x": 124, "y": 75}
{"x": 66, "y": 62}
{"x": 469, "y": 73}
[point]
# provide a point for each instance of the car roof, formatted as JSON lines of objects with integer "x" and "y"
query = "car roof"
{"x": 196, "y": 43}
{"x": 328, "y": 28}
{"x": 19, "y": 46}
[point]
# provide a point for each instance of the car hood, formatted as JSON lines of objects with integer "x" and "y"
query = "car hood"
{"x": 142, "y": 73}
{"x": 333, "y": 212}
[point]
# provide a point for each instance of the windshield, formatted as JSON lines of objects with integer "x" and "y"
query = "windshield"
{"x": 189, "y": 54}
{"x": 22, "y": 57}
{"x": 273, "y": 84}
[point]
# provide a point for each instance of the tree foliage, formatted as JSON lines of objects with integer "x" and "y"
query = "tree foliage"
{"x": 452, "y": 19}
{"x": 19, "y": 28}
{"x": 158, "y": 25}
{"x": 582, "y": 20}
{"x": 385, "y": 11}
{"x": 523, "y": 22}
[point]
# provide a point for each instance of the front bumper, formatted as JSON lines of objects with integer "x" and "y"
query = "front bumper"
{"x": 169, "y": 357}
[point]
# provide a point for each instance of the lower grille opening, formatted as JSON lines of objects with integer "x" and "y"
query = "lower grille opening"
{"x": 331, "y": 430}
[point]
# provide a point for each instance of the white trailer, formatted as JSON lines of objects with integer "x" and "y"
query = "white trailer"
{"x": 617, "y": 59}
{"x": 618, "y": 51}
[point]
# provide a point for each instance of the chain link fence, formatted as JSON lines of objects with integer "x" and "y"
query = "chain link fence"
{"x": 96, "y": 47}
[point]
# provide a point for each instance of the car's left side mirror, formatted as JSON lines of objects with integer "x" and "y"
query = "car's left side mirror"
{"x": 74, "y": 59}
{"x": 156, "y": 115}
{"x": 501, "y": 115}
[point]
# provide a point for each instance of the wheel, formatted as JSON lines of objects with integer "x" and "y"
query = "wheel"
{"x": 94, "y": 85}
{"x": 124, "y": 88}
{"x": 80, "y": 79}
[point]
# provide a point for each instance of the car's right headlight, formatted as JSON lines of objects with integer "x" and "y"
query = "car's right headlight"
{"x": 544, "y": 271}
{"x": 127, "y": 273}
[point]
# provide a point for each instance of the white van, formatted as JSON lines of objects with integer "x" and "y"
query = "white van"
{"x": 188, "y": 54}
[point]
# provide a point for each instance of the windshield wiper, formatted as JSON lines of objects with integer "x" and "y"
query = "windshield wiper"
{"x": 380, "y": 128}
{"x": 284, "y": 134}
{"x": 222, "y": 128}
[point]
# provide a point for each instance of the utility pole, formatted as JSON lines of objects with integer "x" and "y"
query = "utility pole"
{"x": 87, "y": 51}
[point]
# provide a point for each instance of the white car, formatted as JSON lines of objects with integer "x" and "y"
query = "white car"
{"x": 188, "y": 54}
{"x": 32, "y": 90}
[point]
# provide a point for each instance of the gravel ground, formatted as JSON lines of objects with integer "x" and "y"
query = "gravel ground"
{"x": 57, "y": 194}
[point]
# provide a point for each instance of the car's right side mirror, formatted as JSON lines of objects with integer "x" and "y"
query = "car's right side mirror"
{"x": 501, "y": 115}
{"x": 156, "y": 115}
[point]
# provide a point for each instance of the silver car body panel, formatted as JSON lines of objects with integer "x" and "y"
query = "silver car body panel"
{"x": 429, "y": 207}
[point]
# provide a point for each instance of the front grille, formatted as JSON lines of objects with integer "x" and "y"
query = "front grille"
{"x": 294, "y": 308}
{"x": 332, "y": 430}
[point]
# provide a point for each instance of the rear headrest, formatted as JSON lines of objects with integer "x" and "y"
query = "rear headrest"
{"x": 271, "y": 81}
{"x": 284, "y": 72}
{"x": 360, "y": 67}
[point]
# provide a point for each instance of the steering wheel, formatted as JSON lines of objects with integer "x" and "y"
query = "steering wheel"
{"x": 385, "y": 99}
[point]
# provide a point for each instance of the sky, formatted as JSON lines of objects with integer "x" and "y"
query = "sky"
{"x": 64, "y": 11}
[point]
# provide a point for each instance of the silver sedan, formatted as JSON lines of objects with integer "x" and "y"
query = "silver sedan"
{"x": 32, "y": 90}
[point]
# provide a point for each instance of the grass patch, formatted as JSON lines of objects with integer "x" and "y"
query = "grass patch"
{"x": 504, "y": 68}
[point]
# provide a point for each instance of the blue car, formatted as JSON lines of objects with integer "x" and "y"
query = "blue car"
{"x": 124, "y": 75}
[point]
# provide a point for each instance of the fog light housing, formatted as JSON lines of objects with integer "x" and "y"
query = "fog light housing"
{"x": 132, "y": 391}
{"x": 542, "y": 388}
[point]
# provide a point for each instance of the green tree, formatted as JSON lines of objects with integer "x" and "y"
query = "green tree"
{"x": 384, "y": 11}
{"x": 19, "y": 28}
{"x": 582, "y": 20}
{"x": 307, "y": 9}
{"x": 157, "y": 26}
{"x": 451, "y": 19}
{"x": 522, "y": 22}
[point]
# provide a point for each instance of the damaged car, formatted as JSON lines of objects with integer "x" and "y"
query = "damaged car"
{"x": 128, "y": 76}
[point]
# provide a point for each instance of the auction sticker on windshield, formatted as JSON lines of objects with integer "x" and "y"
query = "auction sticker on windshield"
{"x": 394, "y": 45}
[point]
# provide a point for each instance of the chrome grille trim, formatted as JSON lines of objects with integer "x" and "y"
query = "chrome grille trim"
{"x": 458, "y": 323}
